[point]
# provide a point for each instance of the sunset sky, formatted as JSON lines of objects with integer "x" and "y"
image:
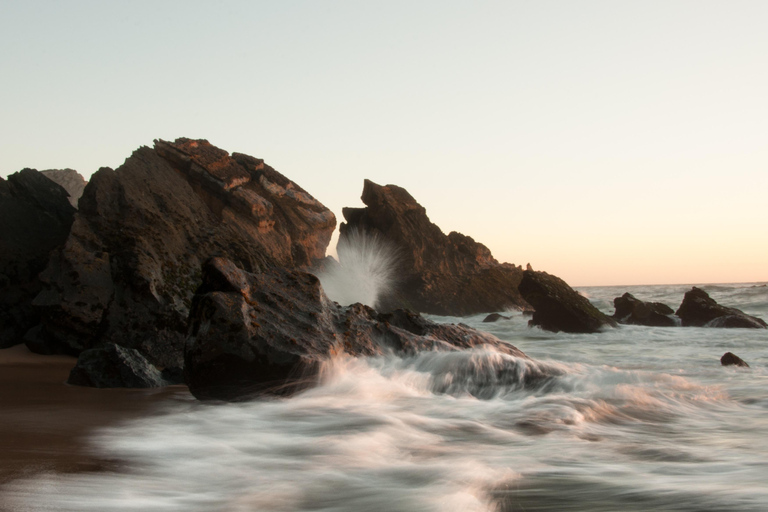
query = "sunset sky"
{"x": 605, "y": 142}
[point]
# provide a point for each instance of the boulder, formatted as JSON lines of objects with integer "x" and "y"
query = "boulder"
{"x": 698, "y": 309}
{"x": 113, "y": 366}
{"x": 70, "y": 179}
{"x": 35, "y": 218}
{"x": 731, "y": 359}
{"x": 436, "y": 273}
{"x": 632, "y": 311}
{"x": 271, "y": 332}
{"x": 558, "y": 307}
{"x": 131, "y": 264}
{"x": 495, "y": 317}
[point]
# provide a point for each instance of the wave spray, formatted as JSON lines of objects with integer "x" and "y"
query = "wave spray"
{"x": 365, "y": 271}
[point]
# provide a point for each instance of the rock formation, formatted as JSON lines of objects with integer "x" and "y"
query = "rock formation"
{"x": 35, "y": 218}
{"x": 558, "y": 307}
{"x": 70, "y": 179}
{"x": 698, "y": 309}
{"x": 112, "y": 366}
{"x": 731, "y": 359}
{"x": 270, "y": 333}
{"x": 632, "y": 311}
{"x": 438, "y": 274}
{"x": 127, "y": 273}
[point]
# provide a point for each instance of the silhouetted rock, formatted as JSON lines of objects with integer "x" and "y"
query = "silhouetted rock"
{"x": 731, "y": 359}
{"x": 698, "y": 309}
{"x": 630, "y": 310}
{"x": 271, "y": 332}
{"x": 112, "y": 366}
{"x": 70, "y": 179}
{"x": 35, "y": 217}
{"x": 558, "y": 307}
{"x": 495, "y": 317}
{"x": 128, "y": 271}
{"x": 437, "y": 273}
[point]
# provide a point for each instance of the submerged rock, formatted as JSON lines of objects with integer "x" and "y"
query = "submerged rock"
{"x": 270, "y": 332}
{"x": 495, "y": 317}
{"x": 731, "y": 359}
{"x": 131, "y": 264}
{"x": 436, "y": 273}
{"x": 35, "y": 218}
{"x": 698, "y": 309}
{"x": 558, "y": 307}
{"x": 112, "y": 366}
{"x": 632, "y": 311}
{"x": 70, "y": 179}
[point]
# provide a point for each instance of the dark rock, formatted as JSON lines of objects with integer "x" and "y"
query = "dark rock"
{"x": 558, "y": 307}
{"x": 495, "y": 317}
{"x": 130, "y": 267}
{"x": 112, "y": 366}
{"x": 35, "y": 218}
{"x": 731, "y": 359}
{"x": 698, "y": 309}
{"x": 271, "y": 332}
{"x": 70, "y": 179}
{"x": 437, "y": 273}
{"x": 632, "y": 311}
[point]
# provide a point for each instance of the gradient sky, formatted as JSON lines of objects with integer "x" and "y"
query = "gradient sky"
{"x": 605, "y": 142}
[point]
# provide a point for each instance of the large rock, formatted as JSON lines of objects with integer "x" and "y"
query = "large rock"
{"x": 70, "y": 179}
{"x": 436, "y": 273}
{"x": 271, "y": 332}
{"x": 698, "y": 309}
{"x": 35, "y": 218}
{"x": 127, "y": 273}
{"x": 731, "y": 359}
{"x": 558, "y": 307}
{"x": 632, "y": 311}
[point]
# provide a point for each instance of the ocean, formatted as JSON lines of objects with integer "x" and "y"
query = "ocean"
{"x": 630, "y": 419}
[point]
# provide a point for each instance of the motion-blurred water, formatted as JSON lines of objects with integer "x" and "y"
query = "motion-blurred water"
{"x": 635, "y": 418}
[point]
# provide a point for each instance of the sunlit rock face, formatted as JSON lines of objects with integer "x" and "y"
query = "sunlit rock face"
{"x": 131, "y": 264}
{"x": 35, "y": 217}
{"x": 436, "y": 273}
{"x": 70, "y": 179}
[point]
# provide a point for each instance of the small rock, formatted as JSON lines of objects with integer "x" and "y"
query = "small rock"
{"x": 731, "y": 359}
{"x": 495, "y": 317}
{"x": 113, "y": 366}
{"x": 632, "y": 311}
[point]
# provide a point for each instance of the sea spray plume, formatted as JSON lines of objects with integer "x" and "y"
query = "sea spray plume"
{"x": 366, "y": 270}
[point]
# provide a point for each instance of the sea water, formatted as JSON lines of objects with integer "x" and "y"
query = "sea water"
{"x": 634, "y": 418}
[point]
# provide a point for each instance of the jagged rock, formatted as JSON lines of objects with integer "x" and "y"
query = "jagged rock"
{"x": 437, "y": 273}
{"x": 128, "y": 271}
{"x": 698, "y": 309}
{"x": 270, "y": 333}
{"x": 495, "y": 317}
{"x": 70, "y": 179}
{"x": 632, "y": 311}
{"x": 35, "y": 217}
{"x": 731, "y": 359}
{"x": 112, "y": 366}
{"x": 558, "y": 307}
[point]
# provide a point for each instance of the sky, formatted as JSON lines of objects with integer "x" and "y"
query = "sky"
{"x": 608, "y": 143}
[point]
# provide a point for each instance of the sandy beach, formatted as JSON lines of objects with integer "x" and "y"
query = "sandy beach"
{"x": 45, "y": 423}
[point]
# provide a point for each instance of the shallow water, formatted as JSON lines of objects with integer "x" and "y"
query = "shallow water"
{"x": 635, "y": 418}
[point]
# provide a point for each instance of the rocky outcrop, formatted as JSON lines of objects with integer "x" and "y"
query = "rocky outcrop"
{"x": 558, "y": 307}
{"x": 70, "y": 179}
{"x": 271, "y": 332}
{"x": 632, "y": 311}
{"x": 698, "y": 309}
{"x": 35, "y": 218}
{"x": 436, "y": 273}
{"x": 112, "y": 366}
{"x": 131, "y": 264}
{"x": 731, "y": 359}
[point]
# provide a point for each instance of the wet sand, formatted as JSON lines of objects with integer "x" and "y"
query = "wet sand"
{"x": 45, "y": 423}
